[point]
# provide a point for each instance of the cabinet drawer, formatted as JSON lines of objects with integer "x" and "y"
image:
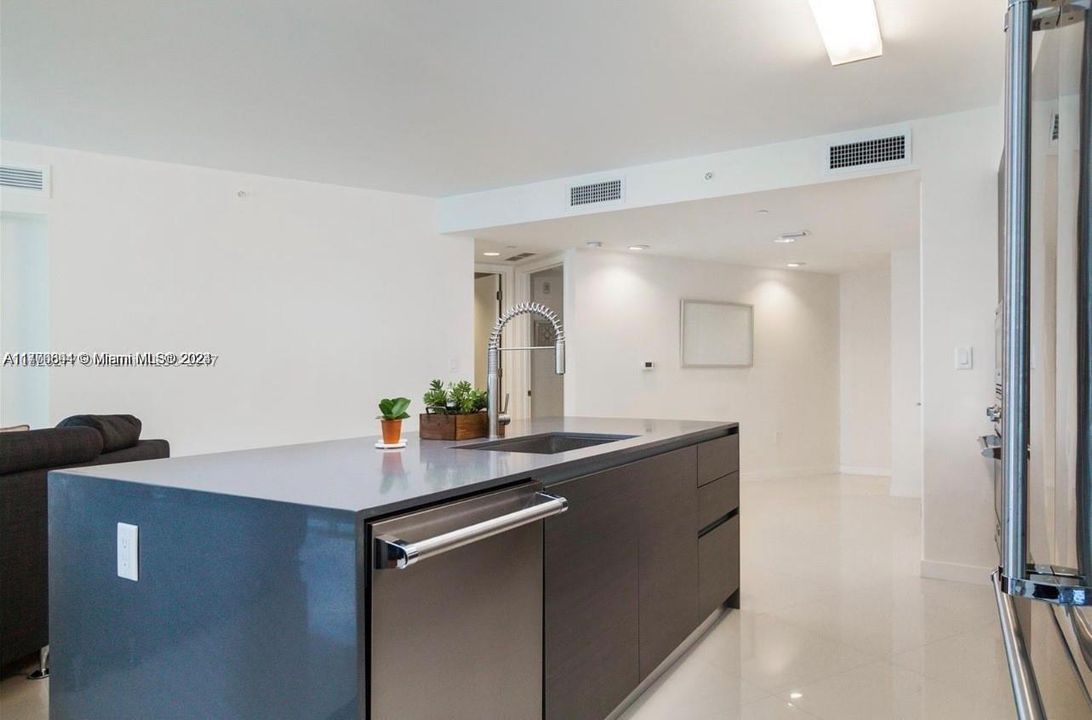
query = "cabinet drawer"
{"x": 718, "y": 565}
{"x": 717, "y": 499}
{"x": 717, "y": 458}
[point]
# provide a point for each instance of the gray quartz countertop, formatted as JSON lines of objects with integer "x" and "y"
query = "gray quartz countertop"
{"x": 353, "y": 475}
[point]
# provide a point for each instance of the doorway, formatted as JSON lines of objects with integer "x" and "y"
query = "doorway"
{"x": 547, "y": 388}
{"x": 488, "y": 299}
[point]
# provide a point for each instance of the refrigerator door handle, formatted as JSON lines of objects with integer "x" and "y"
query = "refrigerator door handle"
{"x": 1025, "y": 688}
{"x": 1025, "y": 692}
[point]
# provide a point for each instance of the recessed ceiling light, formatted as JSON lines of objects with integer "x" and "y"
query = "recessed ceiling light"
{"x": 491, "y": 254}
{"x": 849, "y": 28}
{"x": 791, "y": 237}
{"x": 795, "y": 264}
{"x": 763, "y": 212}
{"x": 638, "y": 247}
{"x": 795, "y": 695}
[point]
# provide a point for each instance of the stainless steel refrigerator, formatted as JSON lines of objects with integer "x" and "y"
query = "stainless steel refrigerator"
{"x": 1043, "y": 404}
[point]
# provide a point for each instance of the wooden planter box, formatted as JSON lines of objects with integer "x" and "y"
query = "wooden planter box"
{"x": 435, "y": 426}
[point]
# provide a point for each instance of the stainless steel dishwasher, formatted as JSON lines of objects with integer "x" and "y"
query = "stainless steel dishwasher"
{"x": 455, "y": 625}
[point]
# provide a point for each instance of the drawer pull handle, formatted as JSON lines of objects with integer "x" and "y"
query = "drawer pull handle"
{"x": 394, "y": 553}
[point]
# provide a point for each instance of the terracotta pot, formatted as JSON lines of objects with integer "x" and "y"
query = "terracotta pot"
{"x": 392, "y": 431}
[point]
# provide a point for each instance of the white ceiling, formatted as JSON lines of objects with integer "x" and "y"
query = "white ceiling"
{"x": 852, "y": 224}
{"x": 440, "y": 98}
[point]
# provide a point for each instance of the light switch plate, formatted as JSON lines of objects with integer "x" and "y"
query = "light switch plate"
{"x": 128, "y": 552}
{"x": 964, "y": 358}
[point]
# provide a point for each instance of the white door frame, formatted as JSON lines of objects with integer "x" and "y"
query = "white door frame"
{"x": 506, "y": 273}
{"x": 518, "y": 365}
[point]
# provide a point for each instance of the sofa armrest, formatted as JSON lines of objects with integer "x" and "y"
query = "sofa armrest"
{"x": 143, "y": 450}
{"x": 48, "y": 448}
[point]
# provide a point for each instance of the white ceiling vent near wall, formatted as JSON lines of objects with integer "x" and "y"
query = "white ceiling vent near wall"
{"x": 889, "y": 149}
{"x": 30, "y": 179}
{"x": 597, "y": 192}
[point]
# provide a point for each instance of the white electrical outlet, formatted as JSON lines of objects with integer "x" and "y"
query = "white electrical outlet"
{"x": 128, "y": 552}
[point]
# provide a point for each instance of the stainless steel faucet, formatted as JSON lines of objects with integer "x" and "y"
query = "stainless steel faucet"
{"x": 493, "y": 356}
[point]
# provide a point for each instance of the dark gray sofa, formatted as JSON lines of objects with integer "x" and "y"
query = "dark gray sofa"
{"x": 25, "y": 459}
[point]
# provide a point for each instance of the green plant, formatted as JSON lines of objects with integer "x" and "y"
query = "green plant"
{"x": 436, "y": 398}
{"x": 466, "y": 399}
{"x": 394, "y": 408}
{"x": 459, "y": 398}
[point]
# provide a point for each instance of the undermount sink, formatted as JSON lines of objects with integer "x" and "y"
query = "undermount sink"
{"x": 546, "y": 443}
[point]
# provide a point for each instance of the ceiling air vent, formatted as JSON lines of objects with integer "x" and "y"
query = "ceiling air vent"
{"x": 597, "y": 192}
{"x": 869, "y": 153}
{"x": 520, "y": 256}
{"x": 1054, "y": 129}
{"x": 30, "y": 179}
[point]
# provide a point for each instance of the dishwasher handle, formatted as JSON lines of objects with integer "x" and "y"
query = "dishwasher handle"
{"x": 394, "y": 553}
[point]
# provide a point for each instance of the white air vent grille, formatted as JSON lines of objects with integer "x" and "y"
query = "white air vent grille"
{"x": 598, "y": 192}
{"x": 868, "y": 152}
{"x": 31, "y": 179}
{"x": 520, "y": 256}
{"x": 1054, "y": 129}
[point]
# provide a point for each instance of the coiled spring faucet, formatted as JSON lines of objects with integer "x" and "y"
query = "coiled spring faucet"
{"x": 493, "y": 356}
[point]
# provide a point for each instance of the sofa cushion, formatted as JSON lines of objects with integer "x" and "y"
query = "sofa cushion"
{"x": 51, "y": 447}
{"x": 118, "y": 431}
{"x": 15, "y": 428}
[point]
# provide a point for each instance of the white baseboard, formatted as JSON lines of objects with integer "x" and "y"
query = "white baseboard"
{"x": 955, "y": 572}
{"x": 863, "y": 470}
{"x": 789, "y": 473}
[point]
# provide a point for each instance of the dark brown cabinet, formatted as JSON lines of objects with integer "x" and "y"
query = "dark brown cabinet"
{"x": 627, "y": 577}
{"x": 717, "y": 458}
{"x": 717, "y": 499}
{"x": 591, "y": 589}
{"x": 718, "y": 523}
{"x": 668, "y": 555}
{"x": 718, "y": 565}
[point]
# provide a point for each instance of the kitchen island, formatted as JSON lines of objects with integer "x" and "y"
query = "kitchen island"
{"x": 253, "y": 596}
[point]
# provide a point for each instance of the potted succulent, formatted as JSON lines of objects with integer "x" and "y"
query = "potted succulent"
{"x": 392, "y": 411}
{"x": 456, "y": 412}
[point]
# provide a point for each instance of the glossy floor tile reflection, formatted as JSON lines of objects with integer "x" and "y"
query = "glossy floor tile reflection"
{"x": 836, "y": 625}
{"x": 836, "y": 622}
{"x": 22, "y": 699}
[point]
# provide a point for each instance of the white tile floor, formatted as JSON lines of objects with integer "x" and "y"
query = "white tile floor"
{"x": 836, "y": 624}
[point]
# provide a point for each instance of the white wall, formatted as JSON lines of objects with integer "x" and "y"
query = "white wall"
{"x": 625, "y": 310}
{"x": 959, "y": 157}
{"x": 865, "y": 370}
{"x": 319, "y": 299}
{"x": 906, "y": 448}
{"x": 24, "y": 317}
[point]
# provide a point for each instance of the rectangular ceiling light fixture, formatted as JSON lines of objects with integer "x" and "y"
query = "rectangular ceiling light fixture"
{"x": 849, "y": 28}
